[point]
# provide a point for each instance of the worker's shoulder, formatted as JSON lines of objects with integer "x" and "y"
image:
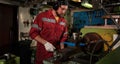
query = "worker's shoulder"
{"x": 44, "y": 13}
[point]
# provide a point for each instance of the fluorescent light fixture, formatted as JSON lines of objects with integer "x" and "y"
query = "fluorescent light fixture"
{"x": 86, "y": 4}
{"x": 76, "y": 0}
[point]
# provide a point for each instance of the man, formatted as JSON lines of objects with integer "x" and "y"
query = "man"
{"x": 50, "y": 31}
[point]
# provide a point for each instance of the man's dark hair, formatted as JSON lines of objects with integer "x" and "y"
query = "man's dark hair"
{"x": 58, "y": 3}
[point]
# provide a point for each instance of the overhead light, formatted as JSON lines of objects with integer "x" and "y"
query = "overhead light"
{"x": 86, "y": 4}
{"x": 44, "y": 2}
{"x": 76, "y": 0}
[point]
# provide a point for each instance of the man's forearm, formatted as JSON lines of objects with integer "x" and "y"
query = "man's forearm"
{"x": 39, "y": 39}
{"x": 61, "y": 45}
{"x": 42, "y": 41}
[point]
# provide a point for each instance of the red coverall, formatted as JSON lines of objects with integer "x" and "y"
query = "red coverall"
{"x": 49, "y": 29}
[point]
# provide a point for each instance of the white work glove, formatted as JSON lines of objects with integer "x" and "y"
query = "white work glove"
{"x": 49, "y": 47}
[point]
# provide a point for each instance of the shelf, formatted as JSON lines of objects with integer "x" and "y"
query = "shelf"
{"x": 103, "y": 27}
{"x": 113, "y": 16}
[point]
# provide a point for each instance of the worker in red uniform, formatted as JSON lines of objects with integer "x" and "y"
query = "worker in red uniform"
{"x": 50, "y": 31}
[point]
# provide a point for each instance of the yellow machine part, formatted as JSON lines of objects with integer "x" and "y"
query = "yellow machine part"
{"x": 106, "y": 34}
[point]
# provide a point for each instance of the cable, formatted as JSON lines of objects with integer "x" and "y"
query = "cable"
{"x": 92, "y": 53}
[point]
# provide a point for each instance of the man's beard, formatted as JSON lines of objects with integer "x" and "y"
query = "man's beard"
{"x": 59, "y": 15}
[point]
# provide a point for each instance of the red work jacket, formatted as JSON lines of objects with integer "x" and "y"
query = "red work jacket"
{"x": 49, "y": 29}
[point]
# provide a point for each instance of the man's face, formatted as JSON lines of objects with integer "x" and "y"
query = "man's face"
{"x": 62, "y": 10}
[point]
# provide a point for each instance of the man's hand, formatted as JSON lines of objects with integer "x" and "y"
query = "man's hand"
{"x": 49, "y": 47}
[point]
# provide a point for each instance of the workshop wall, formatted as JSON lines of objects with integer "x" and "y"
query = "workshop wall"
{"x": 25, "y": 21}
{"x": 26, "y": 16}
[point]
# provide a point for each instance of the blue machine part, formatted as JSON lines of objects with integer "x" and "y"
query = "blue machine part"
{"x": 72, "y": 44}
{"x": 88, "y": 18}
